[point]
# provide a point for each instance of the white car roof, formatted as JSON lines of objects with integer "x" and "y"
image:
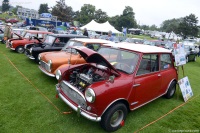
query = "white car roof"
{"x": 91, "y": 40}
{"x": 139, "y": 47}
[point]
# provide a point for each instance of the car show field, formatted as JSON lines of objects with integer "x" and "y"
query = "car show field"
{"x": 29, "y": 103}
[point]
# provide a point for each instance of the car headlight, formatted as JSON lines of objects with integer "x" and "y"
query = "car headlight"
{"x": 31, "y": 50}
{"x": 90, "y": 95}
{"x": 58, "y": 75}
{"x": 39, "y": 57}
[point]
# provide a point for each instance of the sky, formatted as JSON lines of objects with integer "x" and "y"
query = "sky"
{"x": 147, "y": 12}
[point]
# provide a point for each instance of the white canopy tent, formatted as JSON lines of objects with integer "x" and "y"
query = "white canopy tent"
{"x": 100, "y": 27}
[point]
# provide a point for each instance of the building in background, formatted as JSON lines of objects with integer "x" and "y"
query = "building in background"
{"x": 24, "y": 13}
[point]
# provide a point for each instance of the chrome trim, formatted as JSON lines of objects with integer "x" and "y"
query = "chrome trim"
{"x": 169, "y": 85}
{"x": 135, "y": 85}
{"x": 29, "y": 56}
{"x": 148, "y": 102}
{"x": 134, "y": 103}
{"x": 47, "y": 73}
{"x": 73, "y": 88}
{"x": 12, "y": 48}
{"x": 111, "y": 104}
{"x": 78, "y": 109}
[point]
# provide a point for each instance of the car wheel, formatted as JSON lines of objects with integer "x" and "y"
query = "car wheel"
{"x": 20, "y": 49}
{"x": 171, "y": 90}
{"x": 114, "y": 117}
{"x": 195, "y": 58}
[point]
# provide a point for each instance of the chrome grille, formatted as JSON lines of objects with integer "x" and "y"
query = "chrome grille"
{"x": 74, "y": 94}
{"x": 45, "y": 66}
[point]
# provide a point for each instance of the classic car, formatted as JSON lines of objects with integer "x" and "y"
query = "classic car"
{"x": 53, "y": 42}
{"x": 19, "y": 43}
{"x": 157, "y": 43}
{"x": 190, "y": 53}
{"x": 66, "y": 56}
{"x": 134, "y": 40}
{"x": 119, "y": 78}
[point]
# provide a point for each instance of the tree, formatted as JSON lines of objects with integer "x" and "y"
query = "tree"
{"x": 43, "y": 8}
{"x": 5, "y": 5}
{"x": 188, "y": 26}
{"x": 127, "y": 19}
{"x": 100, "y": 16}
{"x": 62, "y": 11}
{"x": 171, "y": 25}
{"x": 86, "y": 14}
{"x": 114, "y": 21}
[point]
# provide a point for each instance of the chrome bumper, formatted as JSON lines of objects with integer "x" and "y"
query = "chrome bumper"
{"x": 78, "y": 109}
{"x": 12, "y": 48}
{"x": 47, "y": 73}
{"x": 29, "y": 56}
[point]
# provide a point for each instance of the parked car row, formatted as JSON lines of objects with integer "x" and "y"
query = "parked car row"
{"x": 101, "y": 80}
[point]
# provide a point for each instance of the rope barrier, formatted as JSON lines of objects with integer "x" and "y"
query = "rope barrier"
{"x": 36, "y": 87}
{"x": 165, "y": 114}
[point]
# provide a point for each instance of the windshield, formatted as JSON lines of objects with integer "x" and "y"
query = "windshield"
{"x": 121, "y": 60}
{"x": 23, "y": 33}
{"x": 28, "y": 35}
{"x": 149, "y": 43}
{"x": 49, "y": 40}
{"x": 71, "y": 43}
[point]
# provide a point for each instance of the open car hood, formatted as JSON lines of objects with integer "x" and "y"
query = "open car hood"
{"x": 91, "y": 56}
{"x": 18, "y": 35}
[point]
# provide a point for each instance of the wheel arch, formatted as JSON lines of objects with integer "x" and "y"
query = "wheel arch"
{"x": 121, "y": 100}
{"x": 173, "y": 80}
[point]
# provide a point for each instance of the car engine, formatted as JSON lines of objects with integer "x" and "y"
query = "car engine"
{"x": 85, "y": 76}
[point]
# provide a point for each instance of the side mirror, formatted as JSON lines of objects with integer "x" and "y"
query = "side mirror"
{"x": 111, "y": 79}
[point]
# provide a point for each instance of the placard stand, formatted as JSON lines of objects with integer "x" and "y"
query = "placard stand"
{"x": 177, "y": 85}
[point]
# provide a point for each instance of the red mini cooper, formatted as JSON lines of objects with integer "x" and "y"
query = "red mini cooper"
{"x": 119, "y": 78}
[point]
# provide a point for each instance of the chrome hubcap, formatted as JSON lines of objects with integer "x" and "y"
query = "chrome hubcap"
{"x": 116, "y": 118}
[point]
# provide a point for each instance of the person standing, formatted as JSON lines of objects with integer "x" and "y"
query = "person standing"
{"x": 74, "y": 31}
{"x": 110, "y": 37}
{"x": 7, "y": 33}
{"x": 85, "y": 33}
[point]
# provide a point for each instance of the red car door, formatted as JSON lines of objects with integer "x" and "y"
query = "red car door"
{"x": 148, "y": 80}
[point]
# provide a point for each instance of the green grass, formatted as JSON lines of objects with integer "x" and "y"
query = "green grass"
{"x": 25, "y": 106}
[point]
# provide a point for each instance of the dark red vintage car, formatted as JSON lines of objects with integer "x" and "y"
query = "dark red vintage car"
{"x": 119, "y": 78}
{"x": 18, "y": 44}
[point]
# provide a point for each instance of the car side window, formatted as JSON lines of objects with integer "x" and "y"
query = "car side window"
{"x": 60, "y": 42}
{"x": 165, "y": 61}
{"x": 92, "y": 46}
{"x": 40, "y": 36}
{"x": 148, "y": 64}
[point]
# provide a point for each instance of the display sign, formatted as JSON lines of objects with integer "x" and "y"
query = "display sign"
{"x": 185, "y": 88}
{"x": 179, "y": 54}
{"x": 46, "y": 15}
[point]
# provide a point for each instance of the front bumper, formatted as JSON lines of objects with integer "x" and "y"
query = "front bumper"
{"x": 29, "y": 56}
{"x": 47, "y": 73}
{"x": 78, "y": 108}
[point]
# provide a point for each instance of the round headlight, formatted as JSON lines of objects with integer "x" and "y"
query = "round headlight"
{"x": 90, "y": 95}
{"x": 39, "y": 57}
{"x": 58, "y": 75}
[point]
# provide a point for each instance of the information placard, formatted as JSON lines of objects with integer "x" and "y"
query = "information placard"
{"x": 179, "y": 54}
{"x": 185, "y": 88}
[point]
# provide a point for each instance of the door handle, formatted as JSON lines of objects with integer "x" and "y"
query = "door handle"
{"x": 159, "y": 75}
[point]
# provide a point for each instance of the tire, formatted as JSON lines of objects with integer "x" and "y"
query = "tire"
{"x": 171, "y": 90}
{"x": 195, "y": 58}
{"x": 114, "y": 117}
{"x": 20, "y": 49}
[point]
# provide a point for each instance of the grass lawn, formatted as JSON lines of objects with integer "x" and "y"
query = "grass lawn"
{"x": 28, "y": 104}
